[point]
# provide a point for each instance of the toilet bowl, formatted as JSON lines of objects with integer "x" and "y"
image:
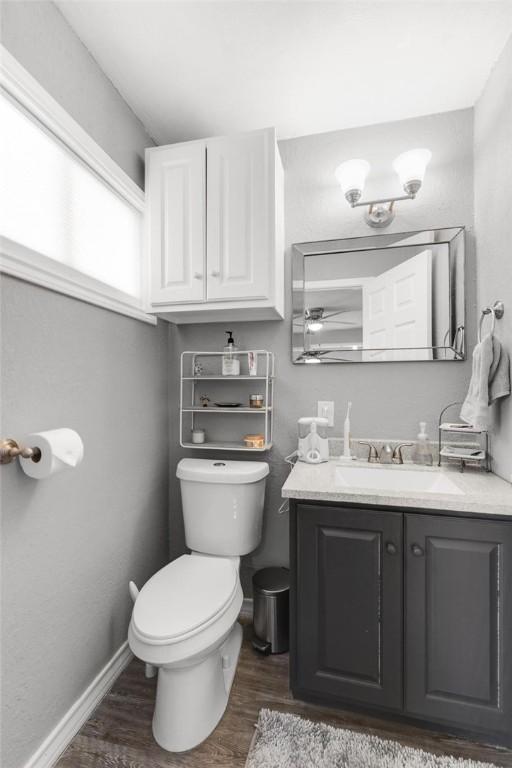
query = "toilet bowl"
{"x": 184, "y": 620}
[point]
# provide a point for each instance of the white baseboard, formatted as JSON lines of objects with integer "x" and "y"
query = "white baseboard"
{"x": 247, "y": 608}
{"x": 57, "y": 741}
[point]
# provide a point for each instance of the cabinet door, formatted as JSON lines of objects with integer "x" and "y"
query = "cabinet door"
{"x": 348, "y": 602}
{"x": 459, "y": 621}
{"x": 175, "y": 220}
{"x": 240, "y": 215}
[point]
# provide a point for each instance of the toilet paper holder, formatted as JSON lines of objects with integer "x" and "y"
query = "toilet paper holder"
{"x": 10, "y": 450}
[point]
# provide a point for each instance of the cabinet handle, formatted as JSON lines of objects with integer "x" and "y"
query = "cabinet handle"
{"x": 215, "y": 273}
{"x": 391, "y": 548}
{"x": 198, "y": 276}
{"x": 417, "y": 550}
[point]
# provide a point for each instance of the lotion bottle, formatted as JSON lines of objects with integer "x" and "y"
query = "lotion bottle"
{"x": 230, "y": 361}
{"x": 421, "y": 453}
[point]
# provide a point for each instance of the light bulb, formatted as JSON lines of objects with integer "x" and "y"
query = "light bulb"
{"x": 351, "y": 176}
{"x": 315, "y": 325}
{"x": 410, "y": 167}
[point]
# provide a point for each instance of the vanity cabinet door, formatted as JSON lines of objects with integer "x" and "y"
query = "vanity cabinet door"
{"x": 459, "y": 621}
{"x": 347, "y": 621}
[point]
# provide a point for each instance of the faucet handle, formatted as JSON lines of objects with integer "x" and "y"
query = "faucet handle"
{"x": 372, "y": 452}
{"x": 397, "y": 453}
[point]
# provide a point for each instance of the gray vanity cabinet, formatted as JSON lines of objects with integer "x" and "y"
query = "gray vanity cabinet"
{"x": 458, "y": 625}
{"x": 349, "y": 607}
{"x": 403, "y": 612}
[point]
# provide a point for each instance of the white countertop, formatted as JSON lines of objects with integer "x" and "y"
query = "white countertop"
{"x": 482, "y": 492}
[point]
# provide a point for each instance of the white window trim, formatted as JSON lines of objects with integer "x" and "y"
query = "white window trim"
{"x": 26, "y": 264}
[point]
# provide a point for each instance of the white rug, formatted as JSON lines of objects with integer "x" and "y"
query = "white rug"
{"x": 288, "y": 741}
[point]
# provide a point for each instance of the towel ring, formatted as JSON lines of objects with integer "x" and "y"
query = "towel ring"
{"x": 496, "y": 311}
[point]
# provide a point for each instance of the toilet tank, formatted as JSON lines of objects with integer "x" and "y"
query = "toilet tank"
{"x": 222, "y": 504}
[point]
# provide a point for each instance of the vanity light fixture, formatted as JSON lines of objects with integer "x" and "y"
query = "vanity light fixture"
{"x": 410, "y": 167}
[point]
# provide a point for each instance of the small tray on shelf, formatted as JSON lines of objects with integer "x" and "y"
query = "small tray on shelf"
{"x": 467, "y": 454}
{"x": 460, "y": 428}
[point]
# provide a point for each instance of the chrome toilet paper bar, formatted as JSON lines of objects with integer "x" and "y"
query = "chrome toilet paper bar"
{"x": 10, "y": 450}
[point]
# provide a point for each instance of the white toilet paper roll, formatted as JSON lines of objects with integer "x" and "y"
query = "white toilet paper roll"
{"x": 60, "y": 448}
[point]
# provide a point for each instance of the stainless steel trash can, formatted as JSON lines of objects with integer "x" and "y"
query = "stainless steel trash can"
{"x": 271, "y": 593}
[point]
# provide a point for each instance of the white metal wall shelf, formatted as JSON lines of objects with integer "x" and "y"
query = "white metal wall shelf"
{"x": 463, "y": 455}
{"x": 226, "y": 433}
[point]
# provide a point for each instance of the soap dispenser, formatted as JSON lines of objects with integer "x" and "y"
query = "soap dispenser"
{"x": 421, "y": 453}
{"x": 230, "y": 361}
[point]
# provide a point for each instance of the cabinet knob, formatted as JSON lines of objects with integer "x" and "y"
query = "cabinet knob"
{"x": 391, "y": 548}
{"x": 417, "y": 550}
{"x": 198, "y": 276}
{"x": 215, "y": 273}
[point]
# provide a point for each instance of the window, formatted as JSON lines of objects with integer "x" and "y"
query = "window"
{"x": 66, "y": 222}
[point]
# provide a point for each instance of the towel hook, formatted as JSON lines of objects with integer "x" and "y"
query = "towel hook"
{"x": 496, "y": 311}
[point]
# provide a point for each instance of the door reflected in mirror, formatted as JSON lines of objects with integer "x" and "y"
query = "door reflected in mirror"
{"x": 380, "y": 298}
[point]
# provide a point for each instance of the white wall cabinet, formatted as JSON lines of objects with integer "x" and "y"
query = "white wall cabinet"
{"x": 215, "y": 230}
{"x": 175, "y": 202}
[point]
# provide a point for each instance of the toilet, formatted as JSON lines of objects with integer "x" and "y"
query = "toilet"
{"x": 184, "y": 620}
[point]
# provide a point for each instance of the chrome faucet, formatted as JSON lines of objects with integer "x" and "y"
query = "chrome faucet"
{"x": 388, "y": 454}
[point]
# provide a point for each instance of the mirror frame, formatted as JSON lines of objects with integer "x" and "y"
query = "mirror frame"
{"x": 454, "y": 237}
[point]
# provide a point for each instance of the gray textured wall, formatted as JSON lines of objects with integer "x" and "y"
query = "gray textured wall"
{"x": 389, "y": 398}
{"x": 40, "y": 38}
{"x": 71, "y": 542}
{"x": 493, "y": 193}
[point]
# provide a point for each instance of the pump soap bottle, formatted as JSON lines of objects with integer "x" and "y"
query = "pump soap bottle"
{"x": 421, "y": 453}
{"x": 230, "y": 361}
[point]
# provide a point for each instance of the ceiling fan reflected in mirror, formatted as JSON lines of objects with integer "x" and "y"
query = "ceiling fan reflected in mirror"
{"x": 316, "y": 317}
{"x": 319, "y": 355}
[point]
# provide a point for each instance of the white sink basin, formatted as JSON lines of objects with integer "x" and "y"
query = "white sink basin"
{"x": 396, "y": 479}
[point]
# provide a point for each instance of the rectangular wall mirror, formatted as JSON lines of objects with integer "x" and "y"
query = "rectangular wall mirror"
{"x": 379, "y": 298}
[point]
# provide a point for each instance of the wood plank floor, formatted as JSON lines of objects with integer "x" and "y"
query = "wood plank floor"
{"x": 118, "y": 735}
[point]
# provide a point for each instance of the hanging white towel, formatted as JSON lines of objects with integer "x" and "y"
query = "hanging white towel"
{"x": 499, "y": 376}
{"x": 490, "y": 380}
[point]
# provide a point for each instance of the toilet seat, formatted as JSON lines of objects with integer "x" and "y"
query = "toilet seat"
{"x": 183, "y": 599}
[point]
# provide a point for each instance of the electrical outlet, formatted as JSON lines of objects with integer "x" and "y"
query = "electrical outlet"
{"x": 326, "y": 410}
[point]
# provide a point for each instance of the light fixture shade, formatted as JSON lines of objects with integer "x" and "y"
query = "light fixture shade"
{"x": 352, "y": 175}
{"x": 410, "y": 166}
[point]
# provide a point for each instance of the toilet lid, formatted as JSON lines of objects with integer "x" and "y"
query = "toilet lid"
{"x": 180, "y": 598}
